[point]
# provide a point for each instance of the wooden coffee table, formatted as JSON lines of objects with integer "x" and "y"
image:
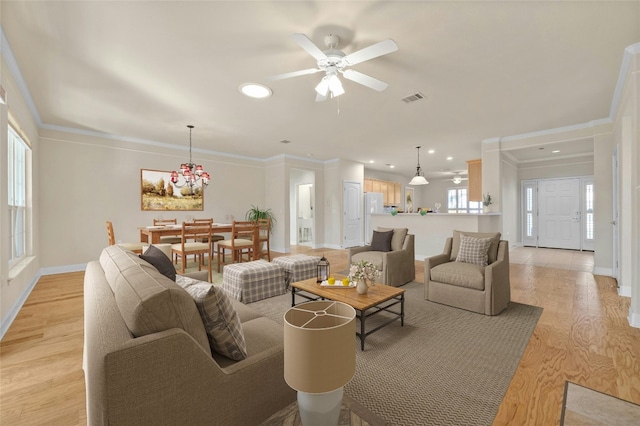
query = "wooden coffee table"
{"x": 379, "y": 298}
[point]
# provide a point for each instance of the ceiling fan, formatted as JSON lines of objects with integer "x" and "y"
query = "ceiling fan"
{"x": 334, "y": 62}
{"x": 457, "y": 179}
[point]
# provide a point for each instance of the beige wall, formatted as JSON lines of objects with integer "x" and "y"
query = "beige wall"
{"x": 626, "y": 137}
{"x": 87, "y": 180}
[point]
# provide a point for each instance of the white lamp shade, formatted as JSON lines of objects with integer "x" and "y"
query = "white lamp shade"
{"x": 418, "y": 180}
{"x": 335, "y": 85}
{"x": 323, "y": 87}
{"x": 319, "y": 346}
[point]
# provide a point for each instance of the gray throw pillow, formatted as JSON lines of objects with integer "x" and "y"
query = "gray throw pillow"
{"x": 381, "y": 241}
{"x": 160, "y": 261}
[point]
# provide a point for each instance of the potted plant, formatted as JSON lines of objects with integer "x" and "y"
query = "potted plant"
{"x": 255, "y": 213}
{"x": 486, "y": 201}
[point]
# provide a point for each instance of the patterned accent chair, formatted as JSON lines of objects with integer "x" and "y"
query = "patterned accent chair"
{"x": 472, "y": 273}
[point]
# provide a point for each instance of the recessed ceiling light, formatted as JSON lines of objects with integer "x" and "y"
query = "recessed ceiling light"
{"x": 431, "y": 151}
{"x": 371, "y": 161}
{"x": 254, "y": 90}
{"x": 449, "y": 158}
{"x": 555, "y": 151}
{"x": 285, "y": 141}
{"x": 391, "y": 166}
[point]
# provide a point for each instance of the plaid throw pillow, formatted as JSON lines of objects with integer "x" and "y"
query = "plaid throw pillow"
{"x": 220, "y": 319}
{"x": 474, "y": 250}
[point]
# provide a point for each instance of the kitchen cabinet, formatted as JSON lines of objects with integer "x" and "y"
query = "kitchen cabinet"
{"x": 391, "y": 191}
{"x": 474, "y": 188}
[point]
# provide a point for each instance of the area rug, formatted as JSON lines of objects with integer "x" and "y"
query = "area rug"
{"x": 586, "y": 407}
{"x": 352, "y": 413}
{"x": 446, "y": 366}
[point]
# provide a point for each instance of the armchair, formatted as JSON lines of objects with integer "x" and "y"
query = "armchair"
{"x": 397, "y": 264}
{"x": 469, "y": 286}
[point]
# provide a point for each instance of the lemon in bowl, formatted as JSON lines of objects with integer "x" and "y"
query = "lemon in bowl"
{"x": 331, "y": 281}
{"x": 345, "y": 281}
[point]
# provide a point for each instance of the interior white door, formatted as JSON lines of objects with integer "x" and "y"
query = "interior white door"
{"x": 559, "y": 213}
{"x": 352, "y": 214}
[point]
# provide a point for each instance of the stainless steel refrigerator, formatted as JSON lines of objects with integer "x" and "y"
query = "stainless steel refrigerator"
{"x": 373, "y": 204}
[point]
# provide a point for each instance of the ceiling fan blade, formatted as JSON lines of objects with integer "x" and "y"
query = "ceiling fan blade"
{"x": 294, "y": 74}
{"x": 365, "y": 80}
{"x": 373, "y": 51}
{"x": 308, "y": 45}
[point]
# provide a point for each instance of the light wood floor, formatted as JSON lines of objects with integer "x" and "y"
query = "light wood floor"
{"x": 582, "y": 336}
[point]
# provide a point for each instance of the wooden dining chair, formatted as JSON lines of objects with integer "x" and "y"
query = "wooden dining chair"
{"x": 214, "y": 237}
{"x": 264, "y": 232}
{"x": 134, "y": 247}
{"x": 243, "y": 243}
{"x": 190, "y": 244}
{"x": 167, "y": 239}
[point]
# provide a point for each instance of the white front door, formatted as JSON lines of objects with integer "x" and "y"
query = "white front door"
{"x": 352, "y": 214}
{"x": 560, "y": 213}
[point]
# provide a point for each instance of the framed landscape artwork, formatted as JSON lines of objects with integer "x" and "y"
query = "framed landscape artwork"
{"x": 408, "y": 200}
{"x": 158, "y": 193}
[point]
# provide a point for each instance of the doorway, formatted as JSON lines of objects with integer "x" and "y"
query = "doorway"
{"x": 304, "y": 213}
{"x": 302, "y": 207}
{"x": 558, "y": 213}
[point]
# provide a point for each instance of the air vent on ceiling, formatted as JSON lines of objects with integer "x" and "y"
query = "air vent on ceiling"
{"x": 412, "y": 98}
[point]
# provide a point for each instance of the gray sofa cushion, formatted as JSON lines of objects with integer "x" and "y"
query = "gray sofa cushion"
{"x": 459, "y": 274}
{"x": 381, "y": 241}
{"x": 148, "y": 301}
{"x": 493, "y": 248}
{"x": 397, "y": 241}
{"x": 375, "y": 257}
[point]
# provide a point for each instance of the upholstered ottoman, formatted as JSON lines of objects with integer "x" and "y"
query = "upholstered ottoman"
{"x": 252, "y": 281}
{"x": 297, "y": 267}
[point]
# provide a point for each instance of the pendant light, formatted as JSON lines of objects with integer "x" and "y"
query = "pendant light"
{"x": 192, "y": 175}
{"x": 418, "y": 179}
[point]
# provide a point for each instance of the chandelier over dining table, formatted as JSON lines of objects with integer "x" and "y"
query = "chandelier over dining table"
{"x": 190, "y": 174}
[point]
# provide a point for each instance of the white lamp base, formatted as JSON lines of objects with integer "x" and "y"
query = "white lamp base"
{"x": 320, "y": 409}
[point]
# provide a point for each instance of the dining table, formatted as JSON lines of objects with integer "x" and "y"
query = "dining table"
{"x": 152, "y": 234}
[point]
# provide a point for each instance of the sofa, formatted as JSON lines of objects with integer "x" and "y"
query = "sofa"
{"x": 472, "y": 273}
{"x": 148, "y": 358}
{"x": 392, "y": 251}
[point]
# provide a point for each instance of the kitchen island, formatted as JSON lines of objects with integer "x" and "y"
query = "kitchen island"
{"x": 432, "y": 230}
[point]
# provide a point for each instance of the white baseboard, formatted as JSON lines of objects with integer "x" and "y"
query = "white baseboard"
{"x": 608, "y": 272}
{"x": 634, "y": 319}
{"x": 13, "y": 312}
{"x": 63, "y": 269}
{"x": 624, "y": 291}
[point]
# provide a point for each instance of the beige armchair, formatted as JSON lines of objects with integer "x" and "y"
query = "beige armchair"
{"x": 397, "y": 264}
{"x": 466, "y": 285}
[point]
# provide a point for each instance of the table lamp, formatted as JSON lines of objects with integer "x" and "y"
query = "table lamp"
{"x": 319, "y": 357}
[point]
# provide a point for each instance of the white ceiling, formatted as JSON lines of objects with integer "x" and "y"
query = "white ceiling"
{"x": 487, "y": 69}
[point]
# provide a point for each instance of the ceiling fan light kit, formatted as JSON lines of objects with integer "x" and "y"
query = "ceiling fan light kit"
{"x": 333, "y": 62}
{"x": 419, "y": 178}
